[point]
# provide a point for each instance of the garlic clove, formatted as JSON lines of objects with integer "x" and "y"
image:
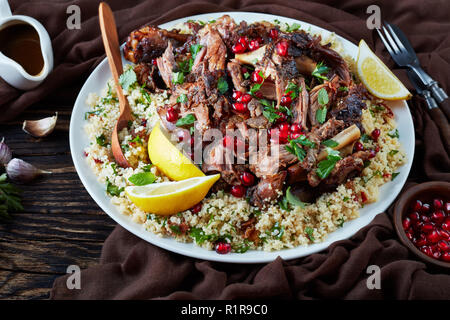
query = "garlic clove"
{"x": 21, "y": 171}
{"x": 40, "y": 128}
{"x": 5, "y": 153}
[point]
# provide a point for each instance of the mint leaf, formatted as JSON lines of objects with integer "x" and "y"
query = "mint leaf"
{"x": 320, "y": 70}
{"x": 293, "y": 199}
{"x": 195, "y": 48}
{"x": 142, "y": 179}
{"x": 322, "y": 97}
{"x": 330, "y": 143}
{"x": 321, "y": 114}
{"x": 325, "y": 167}
{"x": 309, "y": 232}
{"x": 177, "y": 77}
{"x": 182, "y": 98}
{"x": 112, "y": 189}
{"x": 222, "y": 85}
{"x": 127, "y": 79}
{"x": 186, "y": 120}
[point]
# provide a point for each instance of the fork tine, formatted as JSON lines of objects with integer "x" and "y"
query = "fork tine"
{"x": 386, "y": 44}
{"x": 398, "y": 42}
{"x": 391, "y": 41}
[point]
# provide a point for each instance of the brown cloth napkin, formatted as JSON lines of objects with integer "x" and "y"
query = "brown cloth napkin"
{"x": 131, "y": 268}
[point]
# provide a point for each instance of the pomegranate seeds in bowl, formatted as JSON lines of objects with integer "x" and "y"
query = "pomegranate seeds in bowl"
{"x": 426, "y": 226}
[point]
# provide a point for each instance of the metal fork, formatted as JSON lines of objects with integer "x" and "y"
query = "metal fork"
{"x": 404, "y": 55}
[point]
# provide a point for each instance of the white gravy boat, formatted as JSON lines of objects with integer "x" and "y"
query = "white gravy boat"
{"x": 10, "y": 70}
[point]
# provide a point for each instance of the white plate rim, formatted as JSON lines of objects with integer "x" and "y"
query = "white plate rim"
{"x": 388, "y": 192}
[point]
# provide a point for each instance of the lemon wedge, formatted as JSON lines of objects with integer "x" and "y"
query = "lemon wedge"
{"x": 168, "y": 159}
{"x": 171, "y": 197}
{"x": 377, "y": 77}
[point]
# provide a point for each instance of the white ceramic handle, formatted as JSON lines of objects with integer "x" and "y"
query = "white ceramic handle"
{"x": 5, "y": 10}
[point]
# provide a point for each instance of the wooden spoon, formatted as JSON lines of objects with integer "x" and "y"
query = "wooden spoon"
{"x": 111, "y": 43}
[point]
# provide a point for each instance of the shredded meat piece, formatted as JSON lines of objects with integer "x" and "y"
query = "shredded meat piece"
{"x": 234, "y": 68}
{"x": 166, "y": 64}
{"x": 349, "y": 108}
{"x": 300, "y": 110}
{"x": 259, "y": 122}
{"x": 215, "y": 48}
{"x": 150, "y": 42}
{"x": 267, "y": 190}
{"x": 248, "y": 229}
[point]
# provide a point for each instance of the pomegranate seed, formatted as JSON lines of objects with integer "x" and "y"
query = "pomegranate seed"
{"x": 427, "y": 250}
{"x": 436, "y": 254}
{"x": 447, "y": 207}
{"x": 446, "y": 224}
{"x": 273, "y": 33}
{"x": 410, "y": 235}
{"x": 444, "y": 234}
{"x": 144, "y": 122}
{"x": 258, "y": 94}
{"x": 417, "y": 206}
{"x": 154, "y": 62}
{"x": 285, "y": 100}
{"x": 427, "y": 227}
{"x": 238, "y": 191}
{"x": 433, "y": 237}
{"x": 85, "y": 154}
{"x": 256, "y": 77}
{"x": 253, "y": 45}
{"x": 282, "y": 118}
{"x": 282, "y": 48}
{"x": 437, "y": 204}
{"x": 406, "y": 223}
{"x": 377, "y": 149}
{"x": 98, "y": 160}
{"x": 228, "y": 142}
{"x": 425, "y": 208}
{"x": 372, "y": 154}
{"x": 295, "y": 127}
{"x": 421, "y": 240}
{"x": 446, "y": 257}
{"x": 243, "y": 41}
{"x": 414, "y": 216}
{"x": 425, "y": 218}
{"x": 237, "y": 94}
{"x": 223, "y": 247}
{"x": 375, "y": 134}
{"x": 443, "y": 245}
{"x": 196, "y": 209}
{"x": 438, "y": 216}
{"x": 246, "y": 98}
{"x": 238, "y": 48}
{"x": 284, "y": 127}
{"x": 363, "y": 197}
{"x": 247, "y": 179}
{"x": 172, "y": 115}
{"x": 240, "y": 107}
{"x": 294, "y": 135}
{"x": 359, "y": 146}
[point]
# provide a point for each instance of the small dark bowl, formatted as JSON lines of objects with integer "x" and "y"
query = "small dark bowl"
{"x": 425, "y": 192}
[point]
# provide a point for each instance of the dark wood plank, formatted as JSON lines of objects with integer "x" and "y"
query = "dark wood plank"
{"x": 23, "y": 285}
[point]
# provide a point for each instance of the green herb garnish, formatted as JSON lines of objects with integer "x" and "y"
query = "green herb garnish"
{"x": 142, "y": 178}
{"x": 101, "y": 140}
{"x": 320, "y": 70}
{"x": 177, "y": 77}
{"x": 325, "y": 167}
{"x": 112, "y": 189}
{"x": 293, "y": 199}
{"x": 9, "y": 199}
{"x": 309, "y": 232}
{"x": 330, "y": 143}
{"x": 127, "y": 79}
{"x": 186, "y": 120}
{"x": 395, "y": 134}
{"x": 222, "y": 85}
{"x": 394, "y": 175}
{"x": 182, "y": 98}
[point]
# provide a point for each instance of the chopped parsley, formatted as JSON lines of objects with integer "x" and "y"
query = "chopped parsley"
{"x": 295, "y": 149}
{"x": 98, "y": 112}
{"x": 114, "y": 168}
{"x": 343, "y": 89}
{"x": 293, "y": 27}
{"x": 365, "y": 138}
{"x": 136, "y": 139}
{"x": 394, "y": 134}
{"x": 277, "y": 231}
{"x": 112, "y": 189}
{"x": 340, "y": 222}
{"x": 147, "y": 168}
{"x": 394, "y": 175}
{"x": 293, "y": 89}
{"x": 142, "y": 178}
{"x": 146, "y": 94}
{"x": 309, "y": 232}
{"x": 393, "y": 152}
{"x": 101, "y": 140}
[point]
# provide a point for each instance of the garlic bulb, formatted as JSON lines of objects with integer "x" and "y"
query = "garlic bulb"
{"x": 5, "y": 153}
{"x": 40, "y": 128}
{"x": 22, "y": 172}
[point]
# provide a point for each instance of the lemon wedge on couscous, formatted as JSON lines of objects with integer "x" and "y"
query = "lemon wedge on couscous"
{"x": 171, "y": 197}
{"x": 376, "y": 76}
{"x": 168, "y": 159}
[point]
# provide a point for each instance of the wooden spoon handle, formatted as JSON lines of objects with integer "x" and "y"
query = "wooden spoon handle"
{"x": 111, "y": 43}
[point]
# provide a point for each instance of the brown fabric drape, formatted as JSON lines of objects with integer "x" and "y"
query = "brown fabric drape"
{"x": 131, "y": 268}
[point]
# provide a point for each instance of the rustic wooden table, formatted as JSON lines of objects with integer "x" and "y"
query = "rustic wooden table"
{"x": 61, "y": 224}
